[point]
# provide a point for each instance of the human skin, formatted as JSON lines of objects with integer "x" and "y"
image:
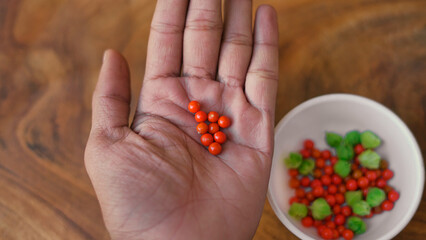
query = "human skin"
{"x": 153, "y": 178}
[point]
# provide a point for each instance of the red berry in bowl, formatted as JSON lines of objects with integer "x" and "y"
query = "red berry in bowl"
{"x": 387, "y": 174}
{"x": 351, "y": 185}
{"x": 387, "y": 205}
{"x": 307, "y": 221}
{"x": 308, "y": 143}
{"x": 393, "y": 195}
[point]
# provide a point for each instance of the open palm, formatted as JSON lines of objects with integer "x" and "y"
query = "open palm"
{"x": 154, "y": 180}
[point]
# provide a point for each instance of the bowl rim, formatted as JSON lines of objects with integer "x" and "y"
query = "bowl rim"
{"x": 351, "y": 97}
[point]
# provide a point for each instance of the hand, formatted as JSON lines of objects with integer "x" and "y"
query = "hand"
{"x": 154, "y": 180}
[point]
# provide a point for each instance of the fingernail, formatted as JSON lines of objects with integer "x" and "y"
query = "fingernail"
{"x": 104, "y": 56}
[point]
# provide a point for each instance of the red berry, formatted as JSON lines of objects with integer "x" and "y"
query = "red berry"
{"x": 206, "y": 139}
{"x": 320, "y": 229}
{"x": 340, "y": 229}
{"x": 202, "y": 128}
{"x": 393, "y": 195}
{"x": 308, "y": 144}
{"x": 346, "y": 211}
{"x": 213, "y": 117}
{"x": 307, "y": 221}
{"x": 351, "y": 185}
{"x": 336, "y": 209}
{"x": 387, "y": 174}
{"x": 347, "y": 234}
{"x": 320, "y": 163}
{"x": 224, "y": 122}
{"x": 381, "y": 183}
{"x": 339, "y": 219}
{"x": 293, "y": 183}
{"x": 377, "y": 210}
{"x": 356, "y": 161}
{"x": 328, "y": 170}
{"x": 336, "y": 234}
{"x": 371, "y": 175}
{"x": 356, "y": 173}
{"x": 305, "y": 153}
{"x": 327, "y": 233}
{"x": 332, "y": 189}
{"x": 317, "y": 223}
{"x": 341, "y": 188}
{"x": 318, "y": 191}
{"x": 317, "y": 173}
{"x": 333, "y": 160}
{"x": 305, "y": 181}
{"x": 387, "y": 205}
{"x": 215, "y": 148}
{"x": 293, "y": 172}
{"x": 200, "y": 116}
{"x": 336, "y": 179}
{"x": 220, "y": 137}
{"x": 316, "y": 153}
{"x": 340, "y": 198}
{"x": 363, "y": 182}
{"x": 331, "y": 200}
{"x": 300, "y": 193}
{"x": 383, "y": 164}
{"x": 330, "y": 224}
{"x": 305, "y": 201}
{"x": 326, "y": 154}
{"x": 387, "y": 189}
{"x": 358, "y": 149}
{"x": 326, "y": 180}
{"x": 328, "y": 218}
{"x": 365, "y": 192}
{"x": 213, "y": 128}
{"x": 194, "y": 106}
{"x": 293, "y": 200}
{"x": 316, "y": 183}
{"x": 310, "y": 196}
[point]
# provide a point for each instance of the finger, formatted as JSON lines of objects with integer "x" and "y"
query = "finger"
{"x": 237, "y": 43}
{"x": 202, "y": 37}
{"x": 262, "y": 77}
{"x": 164, "y": 56}
{"x": 111, "y": 99}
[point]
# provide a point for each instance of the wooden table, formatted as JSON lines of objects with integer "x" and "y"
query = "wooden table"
{"x": 50, "y": 53}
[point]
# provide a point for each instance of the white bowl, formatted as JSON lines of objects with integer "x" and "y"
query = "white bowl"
{"x": 341, "y": 113}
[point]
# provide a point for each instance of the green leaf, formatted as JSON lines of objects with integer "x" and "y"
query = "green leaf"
{"x": 361, "y": 208}
{"x": 333, "y": 139}
{"x": 294, "y": 160}
{"x": 298, "y": 210}
{"x": 352, "y": 138}
{"x": 352, "y": 197}
{"x": 356, "y": 225}
{"x": 345, "y": 152}
{"x": 369, "y": 159}
{"x": 342, "y": 168}
{"x": 320, "y": 209}
{"x": 370, "y": 140}
{"x": 375, "y": 196}
{"x": 306, "y": 167}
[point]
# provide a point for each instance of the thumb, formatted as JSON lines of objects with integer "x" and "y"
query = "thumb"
{"x": 111, "y": 99}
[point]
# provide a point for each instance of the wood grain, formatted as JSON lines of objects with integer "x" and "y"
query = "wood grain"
{"x": 50, "y": 54}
